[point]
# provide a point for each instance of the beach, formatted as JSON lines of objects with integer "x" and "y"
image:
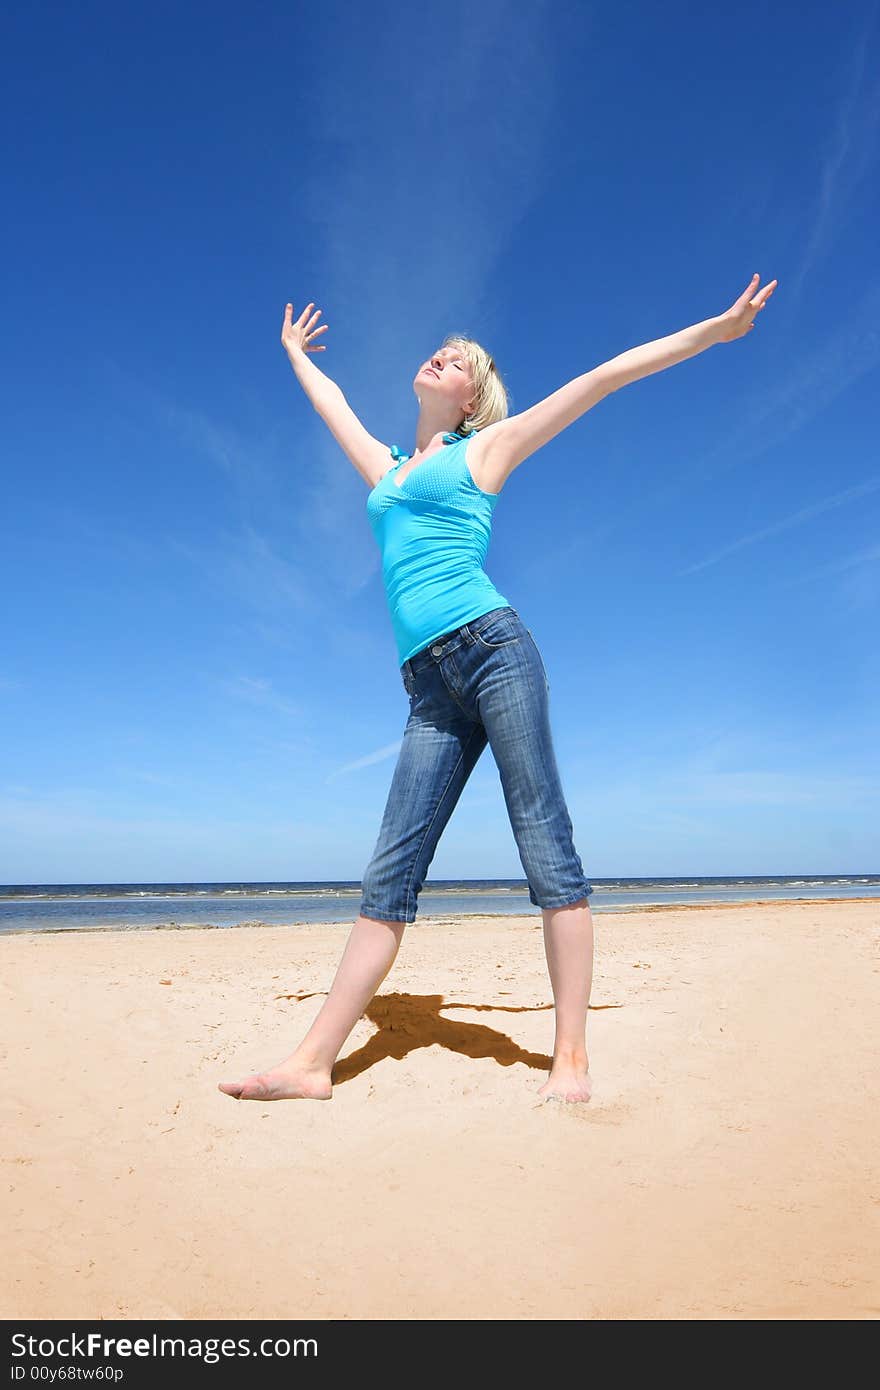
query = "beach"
{"x": 727, "y": 1166}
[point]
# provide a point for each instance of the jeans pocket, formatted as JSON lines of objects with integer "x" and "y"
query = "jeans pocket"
{"x": 501, "y": 631}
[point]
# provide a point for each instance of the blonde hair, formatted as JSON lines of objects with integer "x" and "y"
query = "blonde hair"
{"x": 490, "y": 396}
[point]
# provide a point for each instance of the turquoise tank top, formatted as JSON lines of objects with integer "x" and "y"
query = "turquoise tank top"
{"x": 433, "y": 530}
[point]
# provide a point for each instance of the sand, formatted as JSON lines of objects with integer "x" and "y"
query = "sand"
{"x": 726, "y": 1167}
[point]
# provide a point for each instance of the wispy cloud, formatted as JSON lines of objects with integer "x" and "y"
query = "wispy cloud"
{"x": 241, "y": 559}
{"x": 848, "y": 155}
{"x": 774, "y": 788}
{"x": 408, "y": 225}
{"x": 157, "y": 779}
{"x": 392, "y": 270}
{"x": 798, "y": 518}
{"x": 783, "y": 400}
{"x": 860, "y": 583}
{"x": 808, "y": 381}
{"x": 868, "y": 558}
{"x": 684, "y": 791}
{"x": 778, "y": 408}
{"x": 858, "y": 575}
{"x": 247, "y": 565}
{"x": 241, "y": 459}
{"x": 247, "y": 461}
{"x": 80, "y": 831}
{"x": 256, "y": 691}
{"x": 390, "y": 750}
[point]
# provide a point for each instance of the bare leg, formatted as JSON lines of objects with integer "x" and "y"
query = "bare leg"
{"x": 368, "y": 956}
{"x": 568, "y": 942}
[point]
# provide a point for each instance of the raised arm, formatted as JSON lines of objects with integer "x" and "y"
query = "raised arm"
{"x": 369, "y": 456}
{"x": 504, "y": 445}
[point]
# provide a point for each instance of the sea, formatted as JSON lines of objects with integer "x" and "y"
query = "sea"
{"x": 54, "y": 907}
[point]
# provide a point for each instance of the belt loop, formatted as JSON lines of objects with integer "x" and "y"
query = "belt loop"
{"x": 468, "y": 635}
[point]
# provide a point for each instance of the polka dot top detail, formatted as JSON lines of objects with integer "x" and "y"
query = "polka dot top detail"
{"x": 433, "y": 530}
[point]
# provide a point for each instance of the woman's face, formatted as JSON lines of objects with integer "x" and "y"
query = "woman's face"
{"x": 446, "y": 376}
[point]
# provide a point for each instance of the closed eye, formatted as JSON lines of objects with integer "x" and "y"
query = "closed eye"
{"x": 456, "y": 363}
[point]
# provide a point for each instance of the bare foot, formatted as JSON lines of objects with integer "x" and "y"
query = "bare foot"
{"x": 569, "y": 1081}
{"x": 297, "y": 1082}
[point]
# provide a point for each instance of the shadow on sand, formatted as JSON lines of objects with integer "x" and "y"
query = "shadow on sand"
{"x": 406, "y": 1022}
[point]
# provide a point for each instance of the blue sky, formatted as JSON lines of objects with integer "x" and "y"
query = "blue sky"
{"x": 198, "y": 678}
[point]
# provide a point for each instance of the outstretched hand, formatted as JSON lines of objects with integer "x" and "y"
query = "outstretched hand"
{"x": 738, "y": 320}
{"x": 296, "y": 336}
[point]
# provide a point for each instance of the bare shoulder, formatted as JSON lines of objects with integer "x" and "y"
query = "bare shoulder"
{"x": 490, "y": 463}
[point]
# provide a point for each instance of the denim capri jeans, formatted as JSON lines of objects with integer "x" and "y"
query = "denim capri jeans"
{"x": 484, "y": 682}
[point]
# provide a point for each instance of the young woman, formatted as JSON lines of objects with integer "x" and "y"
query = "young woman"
{"x": 472, "y": 671}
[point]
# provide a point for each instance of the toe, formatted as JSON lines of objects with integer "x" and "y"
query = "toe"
{"x": 254, "y": 1089}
